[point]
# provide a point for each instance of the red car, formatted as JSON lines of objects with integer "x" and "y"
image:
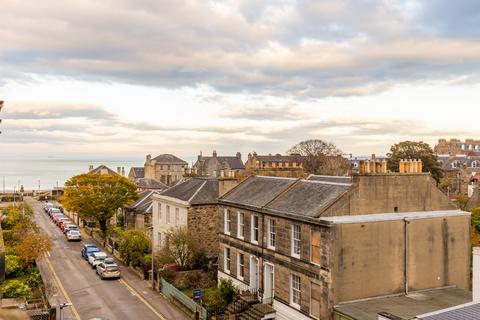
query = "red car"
{"x": 63, "y": 220}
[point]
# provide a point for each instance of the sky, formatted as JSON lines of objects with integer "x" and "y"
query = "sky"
{"x": 126, "y": 78}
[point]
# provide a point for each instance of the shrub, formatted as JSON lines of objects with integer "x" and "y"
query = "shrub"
{"x": 476, "y": 219}
{"x": 193, "y": 279}
{"x": 33, "y": 277}
{"x": 13, "y": 266}
{"x": 15, "y": 289}
{"x": 227, "y": 290}
{"x": 200, "y": 260}
{"x": 133, "y": 247}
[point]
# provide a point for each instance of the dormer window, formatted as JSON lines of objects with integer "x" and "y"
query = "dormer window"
{"x": 456, "y": 164}
{"x": 475, "y": 164}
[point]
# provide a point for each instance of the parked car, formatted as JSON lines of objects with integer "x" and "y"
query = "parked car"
{"x": 53, "y": 211}
{"x": 96, "y": 258}
{"x": 89, "y": 249}
{"x": 62, "y": 221}
{"x": 74, "y": 235}
{"x": 57, "y": 217}
{"x": 107, "y": 271}
{"x": 68, "y": 226}
{"x": 47, "y": 206}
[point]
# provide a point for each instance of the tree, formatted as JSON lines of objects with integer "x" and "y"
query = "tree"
{"x": 320, "y": 157}
{"x": 415, "y": 150}
{"x": 476, "y": 220}
{"x": 13, "y": 265}
{"x": 134, "y": 246}
{"x": 98, "y": 196}
{"x": 32, "y": 246}
{"x": 180, "y": 247}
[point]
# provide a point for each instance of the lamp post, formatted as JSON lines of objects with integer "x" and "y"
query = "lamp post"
{"x": 63, "y": 306}
{"x": 153, "y": 257}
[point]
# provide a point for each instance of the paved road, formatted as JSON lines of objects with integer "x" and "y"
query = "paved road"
{"x": 91, "y": 296}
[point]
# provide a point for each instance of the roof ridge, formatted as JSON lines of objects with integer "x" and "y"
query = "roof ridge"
{"x": 144, "y": 198}
{"x": 198, "y": 190}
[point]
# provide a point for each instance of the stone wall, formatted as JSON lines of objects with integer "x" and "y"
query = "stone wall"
{"x": 203, "y": 221}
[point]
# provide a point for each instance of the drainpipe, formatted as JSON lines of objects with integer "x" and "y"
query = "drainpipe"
{"x": 406, "y": 252}
{"x": 263, "y": 260}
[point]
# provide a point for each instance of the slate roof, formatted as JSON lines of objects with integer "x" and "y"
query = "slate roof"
{"x": 138, "y": 172}
{"x": 196, "y": 191}
{"x": 465, "y": 161}
{"x": 465, "y": 311}
{"x": 98, "y": 170}
{"x": 223, "y": 162}
{"x": 169, "y": 158}
{"x": 145, "y": 183}
{"x": 144, "y": 202}
{"x": 308, "y": 198}
{"x": 406, "y": 306}
{"x": 258, "y": 191}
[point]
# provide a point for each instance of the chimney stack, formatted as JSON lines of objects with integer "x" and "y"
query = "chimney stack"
{"x": 214, "y": 153}
{"x": 239, "y": 156}
{"x": 90, "y": 167}
{"x": 149, "y": 157}
{"x": 123, "y": 171}
{"x": 476, "y": 274}
{"x": 384, "y": 166}
{"x": 119, "y": 170}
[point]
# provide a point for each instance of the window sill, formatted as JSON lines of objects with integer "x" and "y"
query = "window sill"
{"x": 294, "y": 305}
{"x": 271, "y": 248}
{"x": 254, "y": 242}
{"x": 297, "y": 256}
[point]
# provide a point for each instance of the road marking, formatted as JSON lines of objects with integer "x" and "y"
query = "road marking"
{"x": 48, "y": 253}
{"x": 64, "y": 292}
{"x": 139, "y": 296}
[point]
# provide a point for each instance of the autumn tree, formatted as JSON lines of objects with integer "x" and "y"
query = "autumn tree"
{"x": 415, "y": 150}
{"x": 180, "y": 247}
{"x": 98, "y": 196}
{"x": 32, "y": 246}
{"x": 320, "y": 157}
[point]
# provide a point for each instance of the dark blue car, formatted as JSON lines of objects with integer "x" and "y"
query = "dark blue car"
{"x": 89, "y": 249}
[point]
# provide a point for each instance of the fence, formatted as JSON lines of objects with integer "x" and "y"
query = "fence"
{"x": 172, "y": 292}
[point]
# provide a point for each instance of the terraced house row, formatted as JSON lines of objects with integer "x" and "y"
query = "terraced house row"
{"x": 315, "y": 248}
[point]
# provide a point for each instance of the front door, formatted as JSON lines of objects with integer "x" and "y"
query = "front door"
{"x": 269, "y": 283}
{"x": 254, "y": 273}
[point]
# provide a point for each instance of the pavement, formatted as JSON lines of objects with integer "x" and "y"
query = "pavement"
{"x": 76, "y": 282}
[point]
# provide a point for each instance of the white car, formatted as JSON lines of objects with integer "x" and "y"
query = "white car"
{"x": 96, "y": 258}
{"x": 73, "y": 235}
{"x": 108, "y": 271}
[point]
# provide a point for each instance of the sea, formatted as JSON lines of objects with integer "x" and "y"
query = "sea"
{"x": 45, "y": 174}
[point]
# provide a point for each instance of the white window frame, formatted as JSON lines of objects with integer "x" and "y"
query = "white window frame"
{"x": 227, "y": 260}
{"x": 240, "y": 225}
{"x": 293, "y": 290}
{"x": 239, "y": 266}
{"x": 269, "y": 234}
{"x": 252, "y": 229}
{"x": 296, "y": 240}
{"x": 226, "y": 221}
{"x": 177, "y": 216}
{"x": 167, "y": 213}
{"x": 159, "y": 239}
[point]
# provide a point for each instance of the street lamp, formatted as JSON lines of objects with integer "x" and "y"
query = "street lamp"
{"x": 63, "y": 306}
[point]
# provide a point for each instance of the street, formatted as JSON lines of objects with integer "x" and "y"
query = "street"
{"x": 92, "y": 298}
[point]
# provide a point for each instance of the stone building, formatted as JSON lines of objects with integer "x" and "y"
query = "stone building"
{"x": 455, "y": 147}
{"x": 136, "y": 173}
{"x": 138, "y": 215}
{"x": 311, "y": 245}
{"x": 213, "y": 166}
{"x": 102, "y": 169}
{"x": 145, "y": 184}
{"x": 461, "y": 170}
{"x": 274, "y": 165}
{"x": 166, "y": 167}
{"x": 192, "y": 203}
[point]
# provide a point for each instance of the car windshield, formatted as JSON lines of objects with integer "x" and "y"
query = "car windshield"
{"x": 100, "y": 256}
{"x": 109, "y": 260}
{"x": 93, "y": 249}
{"x": 74, "y": 232}
{"x": 112, "y": 268}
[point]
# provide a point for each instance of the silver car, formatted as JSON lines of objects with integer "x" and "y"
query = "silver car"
{"x": 108, "y": 271}
{"x": 74, "y": 235}
{"x": 96, "y": 258}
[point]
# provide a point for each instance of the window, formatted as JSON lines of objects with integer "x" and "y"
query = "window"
{"x": 315, "y": 249}
{"x": 271, "y": 233}
{"x": 177, "y": 216}
{"x": 296, "y": 240}
{"x": 159, "y": 212}
{"x": 227, "y": 260}
{"x": 159, "y": 239}
{"x": 255, "y": 229}
{"x": 475, "y": 164}
{"x": 295, "y": 291}
{"x": 240, "y": 225}
{"x": 240, "y": 266}
{"x": 168, "y": 214}
{"x": 226, "y": 218}
{"x": 315, "y": 294}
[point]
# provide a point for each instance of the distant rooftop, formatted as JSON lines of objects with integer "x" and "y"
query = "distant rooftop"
{"x": 464, "y": 311}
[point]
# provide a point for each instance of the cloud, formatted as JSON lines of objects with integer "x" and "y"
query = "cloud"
{"x": 295, "y": 48}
